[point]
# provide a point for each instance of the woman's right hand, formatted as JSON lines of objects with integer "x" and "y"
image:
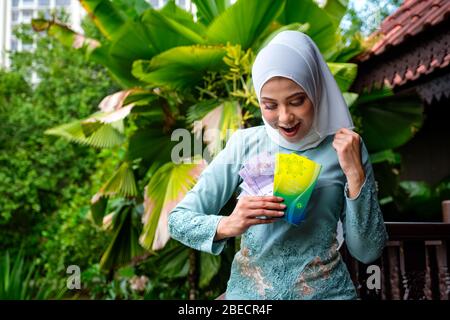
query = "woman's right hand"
{"x": 245, "y": 215}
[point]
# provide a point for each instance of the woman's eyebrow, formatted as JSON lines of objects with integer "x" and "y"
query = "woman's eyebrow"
{"x": 296, "y": 94}
{"x": 291, "y": 96}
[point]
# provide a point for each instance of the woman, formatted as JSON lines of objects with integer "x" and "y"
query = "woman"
{"x": 303, "y": 112}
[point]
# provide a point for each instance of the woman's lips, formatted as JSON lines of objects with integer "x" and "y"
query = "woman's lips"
{"x": 290, "y": 132}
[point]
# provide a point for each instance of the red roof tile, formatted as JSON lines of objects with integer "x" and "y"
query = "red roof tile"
{"x": 411, "y": 18}
{"x": 412, "y": 42}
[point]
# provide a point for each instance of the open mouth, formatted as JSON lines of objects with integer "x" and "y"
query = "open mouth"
{"x": 291, "y": 131}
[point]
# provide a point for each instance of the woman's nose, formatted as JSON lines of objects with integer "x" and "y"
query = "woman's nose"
{"x": 284, "y": 115}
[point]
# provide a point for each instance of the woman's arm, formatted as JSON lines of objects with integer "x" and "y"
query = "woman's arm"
{"x": 194, "y": 220}
{"x": 362, "y": 220}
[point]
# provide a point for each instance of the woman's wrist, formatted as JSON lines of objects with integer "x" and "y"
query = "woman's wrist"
{"x": 220, "y": 231}
{"x": 355, "y": 182}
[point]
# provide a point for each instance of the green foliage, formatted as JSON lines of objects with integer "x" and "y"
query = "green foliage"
{"x": 19, "y": 280}
{"x": 45, "y": 187}
{"x": 33, "y": 173}
{"x": 388, "y": 122}
{"x": 422, "y": 201}
{"x": 125, "y": 229}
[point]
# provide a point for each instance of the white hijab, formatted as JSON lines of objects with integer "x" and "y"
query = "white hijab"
{"x": 293, "y": 55}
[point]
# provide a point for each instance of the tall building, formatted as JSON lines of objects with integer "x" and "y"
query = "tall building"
{"x": 15, "y": 12}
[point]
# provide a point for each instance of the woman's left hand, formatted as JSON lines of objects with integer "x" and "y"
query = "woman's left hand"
{"x": 348, "y": 148}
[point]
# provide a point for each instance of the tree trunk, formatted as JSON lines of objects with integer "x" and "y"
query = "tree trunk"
{"x": 193, "y": 274}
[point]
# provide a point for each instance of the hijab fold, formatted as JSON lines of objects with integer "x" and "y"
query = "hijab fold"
{"x": 294, "y": 55}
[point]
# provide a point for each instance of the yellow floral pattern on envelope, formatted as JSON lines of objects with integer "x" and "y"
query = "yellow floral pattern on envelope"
{"x": 294, "y": 179}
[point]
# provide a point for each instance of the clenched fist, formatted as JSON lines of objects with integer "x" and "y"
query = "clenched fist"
{"x": 348, "y": 148}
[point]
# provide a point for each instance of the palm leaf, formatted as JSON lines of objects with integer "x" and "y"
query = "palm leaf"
{"x": 118, "y": 66}
{"x": 114, "y": 101}
{"x": 174, "y": 12}
{"x": 166, "y": 188}
{"x": 386, "y": 155}
{"x": 113, "y": 117}
{"x": 200, "y": 110}
{"x": 375, "y": 95}
{"x": 105, "y": 15}
{"x": 345, "y": 51}
{"x": 124, "y": 245}
{"x": 292, "y": 27}
{"x": 65, "y": 35}
{"x": 350, "y": 98}
{"x": 121, "y": 183}
{"x": 344, "y": 74}
{"x": 243, "y": 23}
{"x": 180, "y": 67}
{"x": 209, "y": 267}
{"x": 208, "y": 10}
{"x": 150, "y": 144}
{"x": 132, "y": 8}
{"x": 419, "y": 198}
{"x": 92, "y": 134}
{"x": 98, "y": 207}
{"x": 389, "y": 123}
{"x": 165, "y": 32}
{"x": 322, "y": 28}
{"x": 132, "y": 42}
{"x": 113, "y": 109}
{"x": 172, "y": 261}
{"x": 336, "y": 10}
{"x": 219, "y": 124}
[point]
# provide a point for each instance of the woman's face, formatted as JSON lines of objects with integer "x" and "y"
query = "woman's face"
{"x": 287, "y": 108}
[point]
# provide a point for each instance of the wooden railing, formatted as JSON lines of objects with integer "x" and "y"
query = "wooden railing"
{"x": 414, "y": 264}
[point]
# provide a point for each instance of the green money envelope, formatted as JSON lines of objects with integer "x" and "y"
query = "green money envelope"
{"x": 294, "y": 180}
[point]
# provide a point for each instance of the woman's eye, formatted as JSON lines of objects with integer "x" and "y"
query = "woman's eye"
{"x": 297, "y": 102}
{"x": 270, "y": 106}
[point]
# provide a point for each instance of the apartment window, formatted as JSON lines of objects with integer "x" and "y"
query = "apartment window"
{"x": 47, "y": 15}
{"x": 182, "y": 3}
{"x": 28, "y": 2}
{"x": 15, "y": 3}
{"x": 44, "y": 2}
{"x": 15, "y": 16}
{"x": 62, "y": 2}
{"x": 27, "y": 15}
{"x": 27, "y": 46}
{"x": 13, "y": 45}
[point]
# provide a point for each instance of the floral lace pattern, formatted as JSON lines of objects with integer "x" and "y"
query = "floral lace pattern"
{"x": 201, "y": 233}
{"x": 254, "y": 272}
{"x": 318, "y": 269}
{"x": 364, "y": 223}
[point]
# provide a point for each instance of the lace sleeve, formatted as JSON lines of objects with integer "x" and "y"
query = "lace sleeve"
{"x": 194, "y": 220}
{"x": 362, "y": 219}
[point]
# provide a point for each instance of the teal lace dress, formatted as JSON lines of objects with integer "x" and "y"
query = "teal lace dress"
{"x": 280, "y": 260}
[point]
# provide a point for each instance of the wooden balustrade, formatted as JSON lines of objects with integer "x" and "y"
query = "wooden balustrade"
{"x": 414, "y": 264}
